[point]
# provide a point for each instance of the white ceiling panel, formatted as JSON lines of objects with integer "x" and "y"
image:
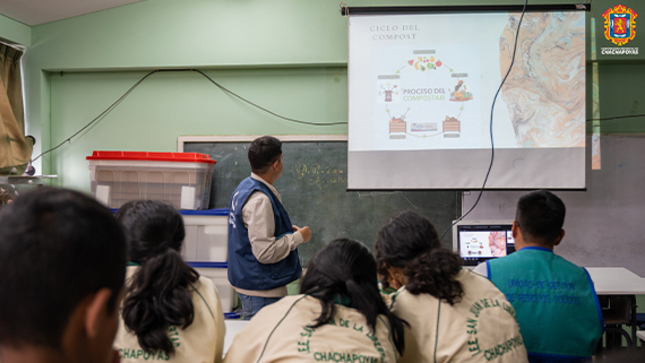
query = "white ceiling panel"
{"x": 35, "y": 12}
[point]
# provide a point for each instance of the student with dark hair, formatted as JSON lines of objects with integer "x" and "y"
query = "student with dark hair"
{"x": 262, "y": 242}
{"x": 339, "y": 316}
{"x": 62, "y": 266}
{"x": 556, "y": 304}
{"x": 454, "y": 314}
{"x": 170, "y": 313}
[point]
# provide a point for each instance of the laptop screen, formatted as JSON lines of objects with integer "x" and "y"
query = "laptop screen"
{"x": 478, "y": 241}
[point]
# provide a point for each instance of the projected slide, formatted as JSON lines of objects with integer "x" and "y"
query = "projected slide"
{"x": 421, "y": 89}
{"x": 427, "y": 98}
{"x": 545, "y": 93}
{"x": 483, "y": 244}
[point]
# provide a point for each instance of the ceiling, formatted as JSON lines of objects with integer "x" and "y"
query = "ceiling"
{"x": 35, "y": 12}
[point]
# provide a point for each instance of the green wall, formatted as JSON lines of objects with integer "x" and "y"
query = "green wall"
{"x": 287, "y": 55}
{"x": 170, "y": 104}
{"x": 14, "y": 32}
{"x": 281, "y": 54}
{"x": 622, "y": 92}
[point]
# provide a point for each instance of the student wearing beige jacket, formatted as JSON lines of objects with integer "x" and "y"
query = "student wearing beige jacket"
{"x": 170, "y": 313}
{"x": 454, "y": 315}
{"x": 339, "y": 316}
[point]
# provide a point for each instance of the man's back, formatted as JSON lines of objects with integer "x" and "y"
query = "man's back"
{"x": 556, "y": 305}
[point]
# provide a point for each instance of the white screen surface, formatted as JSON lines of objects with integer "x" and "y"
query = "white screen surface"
{"x": 421, "y": 89}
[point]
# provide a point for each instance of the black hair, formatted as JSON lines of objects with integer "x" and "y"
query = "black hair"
{"x": 410, "y": 241}
{"x": 57, "y": 247}
{"x": 345, "y": 268}
{"x": 158, "y": 294}
{"x": 540, "y": 216}
{"x": 263, "y": 152}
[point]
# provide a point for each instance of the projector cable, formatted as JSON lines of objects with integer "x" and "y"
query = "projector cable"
{"x": 492, "y": 141}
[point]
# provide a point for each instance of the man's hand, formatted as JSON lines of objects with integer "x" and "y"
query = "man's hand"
{"x": 304, "y": 231}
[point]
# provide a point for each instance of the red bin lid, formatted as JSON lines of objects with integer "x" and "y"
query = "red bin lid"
{"x": 151, "y": 156}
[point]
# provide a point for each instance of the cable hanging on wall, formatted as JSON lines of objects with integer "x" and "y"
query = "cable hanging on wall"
{"x": 615, "y": 118}
{"x": 492, "y": 142}
{"x": 224, "y": 89}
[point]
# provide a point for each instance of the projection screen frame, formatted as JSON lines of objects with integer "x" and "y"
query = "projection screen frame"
{"x": 376, "y": 10}
{"x": 402, "y": 10}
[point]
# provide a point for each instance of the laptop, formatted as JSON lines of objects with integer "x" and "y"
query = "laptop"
{"x": 478, "y": 241}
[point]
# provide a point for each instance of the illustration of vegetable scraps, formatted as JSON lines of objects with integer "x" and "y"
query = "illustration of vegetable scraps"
{"x": 425, "y": 64}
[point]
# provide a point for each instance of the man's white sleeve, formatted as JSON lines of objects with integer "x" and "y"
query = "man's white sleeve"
{"x": 257, "y": 215}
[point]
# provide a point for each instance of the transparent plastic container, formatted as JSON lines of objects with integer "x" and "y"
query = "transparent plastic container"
{"x": 218, "y": 273}
{"x": 181, "y": 179}
{"x": 206, "y": 235}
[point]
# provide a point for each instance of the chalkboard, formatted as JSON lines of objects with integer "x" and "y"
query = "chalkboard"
{"x": 313, "y": 188}
{"x": 604, "y": 225}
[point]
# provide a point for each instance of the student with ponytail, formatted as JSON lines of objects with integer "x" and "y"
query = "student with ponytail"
{"x": 338, "y": 317}
{"x": 454, "y": 315}
{"x": 169, "y": 313}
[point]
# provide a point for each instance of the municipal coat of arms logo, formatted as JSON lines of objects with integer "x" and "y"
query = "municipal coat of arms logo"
{"x": 620, "y": 24}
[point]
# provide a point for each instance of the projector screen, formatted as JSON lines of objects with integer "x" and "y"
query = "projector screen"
{"x": 421, "y": 89}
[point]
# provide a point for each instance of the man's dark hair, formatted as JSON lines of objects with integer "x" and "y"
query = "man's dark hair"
{"x": 263, "y": 152}
{"x": 540, "y": 216}
{"x": 57, "y": 247}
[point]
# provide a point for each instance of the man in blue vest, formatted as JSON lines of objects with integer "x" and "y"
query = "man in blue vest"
{"x": 262, "y": 242}
{"x": 555, "y": 301}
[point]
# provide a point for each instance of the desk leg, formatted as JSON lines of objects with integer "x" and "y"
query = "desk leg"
{"x": 633, "y": 321}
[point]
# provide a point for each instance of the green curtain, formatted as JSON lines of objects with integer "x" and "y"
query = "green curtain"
{"x": 15, "y": 149}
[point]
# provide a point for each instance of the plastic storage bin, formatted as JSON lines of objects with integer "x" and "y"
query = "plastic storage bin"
{"x": 182, "y": 179}
{"x": 218, "y": 273}
{"x": 206, "y": 235}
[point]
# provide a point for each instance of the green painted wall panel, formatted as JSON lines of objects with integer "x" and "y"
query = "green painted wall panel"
{"x": 170, "y": 33}
{"x": 14, "y": 32}
{"x": 622, "y": 93}
{"x": 167, "y": 105}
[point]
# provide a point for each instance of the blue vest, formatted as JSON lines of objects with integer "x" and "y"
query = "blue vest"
{"x": 555, "y": 302}
{"x": 244, "y": 270}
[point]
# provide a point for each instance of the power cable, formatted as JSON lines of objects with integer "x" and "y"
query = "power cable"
{"x": 120, "y": 99}
{"x": 492, "y": 141}
{"x": 264, "y": 109}
{"x": 97, "y": 118}
{"x": 613, "y": 118}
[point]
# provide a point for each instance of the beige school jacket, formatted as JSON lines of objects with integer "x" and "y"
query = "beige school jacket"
{"x": 201, "y": 342}
{"x": 480, "y": 328}
{"x": 279, "y": 333}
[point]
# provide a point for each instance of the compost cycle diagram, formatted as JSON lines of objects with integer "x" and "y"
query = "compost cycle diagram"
{"x": 428, "y": 98}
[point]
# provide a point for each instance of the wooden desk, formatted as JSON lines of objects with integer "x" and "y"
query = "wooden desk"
{"x": 619, "y": 281}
